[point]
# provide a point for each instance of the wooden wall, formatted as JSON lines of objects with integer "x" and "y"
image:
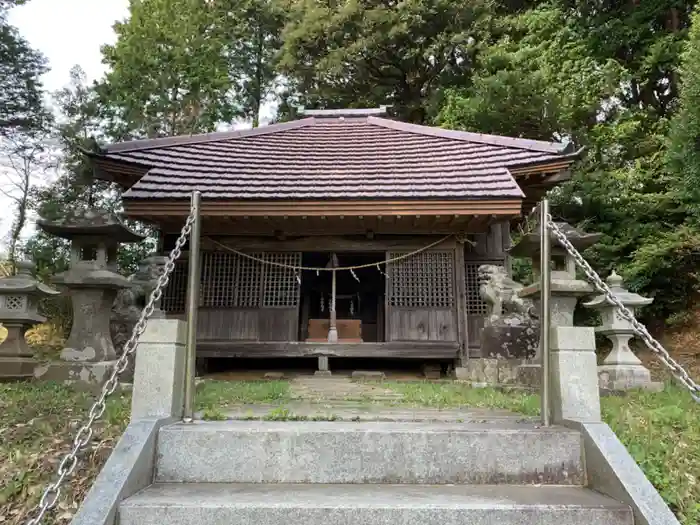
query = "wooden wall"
{"x": 233, "y": 324}
{"x": 456, "y": 319}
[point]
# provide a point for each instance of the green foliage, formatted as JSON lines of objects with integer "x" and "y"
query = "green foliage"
{"x": 251, "y": 32}
{"x": 684, "y": 147}
{"x": 76, "y": 189}
{"x": 365, "y": 54}
{"x": 169, "y": 71}
{"x": 21, "y": 104}
{"x": 538, "y": 73}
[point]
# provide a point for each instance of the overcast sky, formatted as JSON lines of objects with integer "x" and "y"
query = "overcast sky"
{"x": 67, "y": 32}
{"x": 70, "y": 32}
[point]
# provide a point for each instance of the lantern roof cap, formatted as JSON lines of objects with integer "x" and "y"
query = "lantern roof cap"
{"x": 616, "y": 284}
{"x": 24, "y": 282}
{"x": 90, "y": 222}
{"x": 529, "y": 244}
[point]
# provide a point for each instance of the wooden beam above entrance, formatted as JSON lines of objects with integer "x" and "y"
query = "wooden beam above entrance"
{"x": 392, "y": 350}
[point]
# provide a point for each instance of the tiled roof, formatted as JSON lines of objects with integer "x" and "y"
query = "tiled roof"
{"x": 333, "y": 158}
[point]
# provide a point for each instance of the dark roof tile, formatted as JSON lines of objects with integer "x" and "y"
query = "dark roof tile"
{"x": 334, "y": 158}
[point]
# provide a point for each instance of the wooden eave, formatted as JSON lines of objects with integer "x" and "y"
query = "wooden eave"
{"x": 143, "y": 208}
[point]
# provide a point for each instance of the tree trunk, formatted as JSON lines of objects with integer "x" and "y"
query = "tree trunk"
{"x": 258, "y": 84}
{"x": 21, "y": 220}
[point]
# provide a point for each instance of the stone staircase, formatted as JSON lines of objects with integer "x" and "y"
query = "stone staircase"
{"x": 410, "y": 473}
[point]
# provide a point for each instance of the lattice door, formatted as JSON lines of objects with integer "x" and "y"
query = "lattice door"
{"x": 421, "y": 297}
{"x": 424, "y": 280}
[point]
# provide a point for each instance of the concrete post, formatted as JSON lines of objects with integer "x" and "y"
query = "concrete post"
{"x": 159, "y": 378}
{"x": 573, "y": 374}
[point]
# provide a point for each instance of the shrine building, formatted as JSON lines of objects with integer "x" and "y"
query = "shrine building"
{"x": 406, "y": 213}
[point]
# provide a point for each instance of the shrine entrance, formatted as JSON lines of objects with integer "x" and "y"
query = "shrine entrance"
{"x": 359, "y": 298}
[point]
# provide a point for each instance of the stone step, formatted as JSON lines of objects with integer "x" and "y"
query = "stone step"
{"x": 224, "y": 504}
{"x": 369, "y": 452}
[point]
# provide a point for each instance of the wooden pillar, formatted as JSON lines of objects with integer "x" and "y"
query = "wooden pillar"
{"x": 332, "y": 325}
{"x": 332, "y": 328}
{"x": 460, "y": 299}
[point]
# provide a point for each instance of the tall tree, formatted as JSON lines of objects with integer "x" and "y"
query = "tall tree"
{"x": 21, "y": 105}
{"x": 538, "y": 73}
{"x": 24, "y": 159}
{"x": 684, "y": 144}
{"x": 80, "y": 128}
{"x": 368, "y": 53}
{"x": 169, "y": 73}
{"x": 251, "y": 31}
{"x": 643, "y": 36}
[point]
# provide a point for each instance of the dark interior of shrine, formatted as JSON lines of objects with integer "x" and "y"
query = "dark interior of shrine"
{"x": 359, "y": 295}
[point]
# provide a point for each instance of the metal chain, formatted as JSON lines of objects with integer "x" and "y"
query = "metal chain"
{"x": 676, "y": 369}
{"x": 84, "y": 435}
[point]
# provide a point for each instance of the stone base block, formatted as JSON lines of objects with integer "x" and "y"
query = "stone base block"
{"x": 510, "y": 341}
{"x": 432, "y": 371}
{"x": 626, "y": 377}
{"x": 17, "y": 368}
{"x": 323, "y": 373}
{"x": 530, "y": 375}
{"x": 487, "y": 372}
{"x": 85, "y": 373}
{"x": 368, "y": 375}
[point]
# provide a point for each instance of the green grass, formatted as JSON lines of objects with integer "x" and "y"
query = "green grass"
{"x": 455, "y": 395}
{"x": 213, "y": 395}
{"x": 37, "y": 425}
{"x": 662, "y": 432}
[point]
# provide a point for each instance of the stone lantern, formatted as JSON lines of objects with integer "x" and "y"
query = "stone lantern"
{"x": 93, "y": 283}
{"x": 566, "y": 289}
{"x": 19, "y": 311}
{"x": 572, "y": 364}
{"x": 621, "y": 369}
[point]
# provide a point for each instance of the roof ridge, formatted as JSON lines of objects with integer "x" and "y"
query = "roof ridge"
{"x": 469, "y": 136}
{"x": 164, "y": 142}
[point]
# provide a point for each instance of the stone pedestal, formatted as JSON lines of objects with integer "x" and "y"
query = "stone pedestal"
{"x": 573, "y": 378}
{"x": 159, "y": 377}
{"x": 91, "y": 374}
{"x": 323, "y": 368}
{"x": 514, "y": 340}
{"x": 16, "y": 358}
{"x": 482, "y": 372}
{"x": 621, "y": 369}
{"x": 19, "y": 304}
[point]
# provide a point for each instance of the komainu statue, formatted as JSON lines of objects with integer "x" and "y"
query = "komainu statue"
{"x": 500, "y": 293}
{"x": 511, "y": 327}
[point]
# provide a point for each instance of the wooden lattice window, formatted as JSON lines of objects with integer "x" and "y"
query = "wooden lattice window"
{"x": 175, "y": 293}
{"x": 281, "y": 287}
{"x": 229, "y": 280}
{"x": 424, "y": 280}
{"x": 248, "y": 281}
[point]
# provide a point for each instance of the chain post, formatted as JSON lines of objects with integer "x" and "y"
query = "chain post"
{"x": 676, "y": 369}
{"x": 545, "y": 314}
{"x": 192, "y": 307}
{"x": 69, "y": 463}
